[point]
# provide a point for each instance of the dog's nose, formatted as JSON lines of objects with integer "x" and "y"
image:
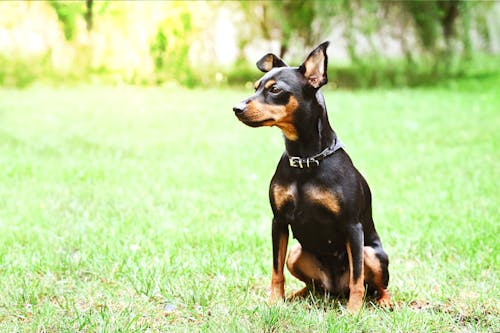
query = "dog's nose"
{"x": 240, "y": 107}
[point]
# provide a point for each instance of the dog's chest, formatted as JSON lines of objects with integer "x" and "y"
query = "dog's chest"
{"x": 296, "y": 199}
{"x": 311, "y": 210}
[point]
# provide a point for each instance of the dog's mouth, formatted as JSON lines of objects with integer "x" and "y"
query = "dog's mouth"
{"x": 256, "y": 123}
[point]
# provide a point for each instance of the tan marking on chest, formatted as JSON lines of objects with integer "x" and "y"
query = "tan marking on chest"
{"x": 283, "y": 194}
{"x": 324, "y": 198}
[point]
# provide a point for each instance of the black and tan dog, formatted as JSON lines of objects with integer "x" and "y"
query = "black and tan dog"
{"x": 316, "y": 189}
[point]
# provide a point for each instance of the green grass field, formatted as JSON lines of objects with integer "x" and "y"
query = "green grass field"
{"x": 145, "y": 209}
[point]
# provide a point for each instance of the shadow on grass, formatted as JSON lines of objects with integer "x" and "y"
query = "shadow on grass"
{"x": 320, "y": 298}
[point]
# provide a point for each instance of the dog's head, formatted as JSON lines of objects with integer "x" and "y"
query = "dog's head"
{"x": 282, "y": 90}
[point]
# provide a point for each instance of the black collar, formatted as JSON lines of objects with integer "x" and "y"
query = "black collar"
{"x": 314, "y": 161}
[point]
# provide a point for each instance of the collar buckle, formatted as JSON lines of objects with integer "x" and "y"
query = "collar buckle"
{"x": 295, "y": 162}
{"x": 314, "y": 161}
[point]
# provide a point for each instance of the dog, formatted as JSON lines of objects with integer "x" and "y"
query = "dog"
{"x": 316, "y": 190}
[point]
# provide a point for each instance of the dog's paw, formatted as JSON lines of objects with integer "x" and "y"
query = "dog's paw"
{"x": 304, "y": 292}
{"x": 354, "y": 305}
{"x": 276, "y": 299}
{"x": 276, "y": 295}
{"x": 385, "y": 299}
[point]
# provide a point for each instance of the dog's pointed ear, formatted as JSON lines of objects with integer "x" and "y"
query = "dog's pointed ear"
{"x": 315, "y": 66}
{"x": 269, "y": 61}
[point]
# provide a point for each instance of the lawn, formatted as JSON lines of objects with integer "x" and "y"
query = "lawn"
{"x": 146, "y": 209}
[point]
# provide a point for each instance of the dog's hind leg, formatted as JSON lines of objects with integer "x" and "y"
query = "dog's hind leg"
{"x": 307, "y": 268}
{"x": 376, "y": 273}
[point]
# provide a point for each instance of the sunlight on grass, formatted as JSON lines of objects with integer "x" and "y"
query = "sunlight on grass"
{"x": 140, "y": 209}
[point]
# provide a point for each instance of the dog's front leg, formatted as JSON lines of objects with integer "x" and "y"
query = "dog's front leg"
{"x": 354, "y": 245}
{"x": 280, "y": 243}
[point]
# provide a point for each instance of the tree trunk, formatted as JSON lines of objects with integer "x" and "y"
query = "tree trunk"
{"x": 451, "y": 12}
{"x": 88, "y": 14}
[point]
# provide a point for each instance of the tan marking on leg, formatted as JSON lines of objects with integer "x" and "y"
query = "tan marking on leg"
{"x": 384, "y": 299}
{"x": 305, "y": 267}
{"x": 373, "y": 270}
{"x": 343, "y": 283}
{"x": 277, "y": 277}
{"x": 283, "y": 194}
{"x": 373, "y": 275}
{"x": 356, "y": 287}
{"x": 301, "y": 293}
{"x": 324, "y": 198}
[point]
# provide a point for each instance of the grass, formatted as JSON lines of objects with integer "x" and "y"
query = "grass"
{"x": 145, "y": 209}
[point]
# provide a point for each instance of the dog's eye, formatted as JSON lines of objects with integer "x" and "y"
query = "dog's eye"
{"x": 275, "y": 90}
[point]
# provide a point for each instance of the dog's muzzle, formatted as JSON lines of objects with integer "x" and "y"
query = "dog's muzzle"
{"x": 240, "y": 107}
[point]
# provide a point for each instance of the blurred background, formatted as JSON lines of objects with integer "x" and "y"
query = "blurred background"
{"x": 208, "y": 43}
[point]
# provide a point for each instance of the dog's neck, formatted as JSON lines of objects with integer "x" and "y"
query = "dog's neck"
{"x": 314, "y": 133}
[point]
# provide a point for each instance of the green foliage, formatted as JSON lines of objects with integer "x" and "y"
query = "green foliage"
{"x": 443, "y": 30}
{"x": 379, "y": 72}
{"x": 15, "y": 72}
{"x": 241, "y": 73}
{"x": 297, "y": 22}
{"x": 426, "y": 15}
{"x": 21, "y": 71}
{"x": 68, "y": 12}
{"x": 382, "y": 73}
{"x": 170, "y": 48}
{"x": 295, "y": 19}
